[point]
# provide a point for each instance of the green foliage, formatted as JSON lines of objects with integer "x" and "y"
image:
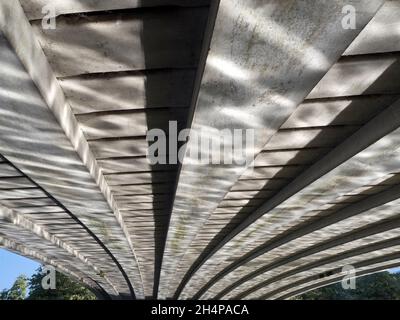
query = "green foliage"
{"x": 66, "y": 289}
{"x": 17, "y": 291}
{"x": 379, "y": 286}
{"x": 3, "y": 294}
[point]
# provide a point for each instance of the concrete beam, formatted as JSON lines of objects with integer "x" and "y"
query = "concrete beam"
{"x": 381, "y": 34}
{"x": 307, "y": 196}
{"x": 341, "y": 112}
{"x": 70, "y": 271}
{"x": 366, "y": 74}
{"x": 346, "y": 258}
{"x": 127, "y": 91}
{"x": 335, "y": 157}
{"x": 245, "y": 86}
{"x": 40, "y": 135}
{"x": 376, "y": 264}
{"x": 147, "y": 39}
{"x": 16, "y": 226}
{"x": 34, "y": 8}
{"x": 318, "y": 284}
{"x": 303, "y": 190}
{"x": 304, "y": 258}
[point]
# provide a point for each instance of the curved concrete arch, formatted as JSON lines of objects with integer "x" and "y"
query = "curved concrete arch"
{"x": 19, "y": 220}
{"x": 32, "y": 254}
{"x": 13, "y": 232}
{"x": 338, "y": 279}
{"x": 370, "y": 133}
{"x": 361, "y": 261}
{"x": 319, "y": 182}
{"x": 203, "y": 211}
{"x": 36, "y": 215}
{"x": 334, "y": 258}
{"x": 95, "y": 130}
{"x": 69, "y": 135}
{"x": 378, "y": 160}
{"x": 348, "y": 238}
{"x": 365, "y": 267}
{"x": 33, "y": 9}
{"x": 352, "y": 210}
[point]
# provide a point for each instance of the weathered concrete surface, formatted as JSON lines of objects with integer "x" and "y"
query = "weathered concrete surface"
{"x": 113, "y": 130}
{"x": 359, "y": 78}
{"x": 368, "y": 168}
{"x": 235, "y": 232}
{"x": 127, "y": 91}
{"x": 48, "y": 151}
{"x": 373, "y": 85}
{"x": 381, "y": 34}
{"x": 69, "y": 270}
{"x": 245, "y": 85}
{"x": 28, "y": 132}
{"x": 167, "y": 38}
{"x": 360, "y": 256}
{"x": 376, "y": 264}
{"x": 370, "y": 269}
{"x": 359, "y": 75}
{"x": 15, "y": 226}
{"x": 346, "y": 111}
{"x": 116, "y": 133}
{"x": 326, "y": 238}
{"x": 361, "y": 139}
{"x": 129, "y": 123}
{"x": 33, "y": 8}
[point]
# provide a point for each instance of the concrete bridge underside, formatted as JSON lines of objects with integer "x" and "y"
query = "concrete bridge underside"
{"x": 76, "y": 102}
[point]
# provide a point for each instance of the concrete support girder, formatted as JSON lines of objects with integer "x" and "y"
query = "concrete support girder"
{"x": 311, "y": 201}
{"x": 302, "y": 191}
{"x": 80, "y": 99}
{"x": 307, "y": 114}
{"x": 14, "y": 229}
{"x": 380, "y": 35}
{"x": 352, "y": 238}
{"x": 156, "y": 52}
{"x": 149, "y": 39}
{"x": 34, "y": 8}
{"x": 361, "y": 272}
{"x": 323, "y": 266}
{"x": 220, "y": 109}
{"x": 368, "y": 266}
{"x": 20, "y": 249}
{"x": 156, "y": 66}
{"x": 12, "y": 220}
{"x": 372, "y": 87}
{"x": 40, "y": 214}
{"x": 48, "y": 134}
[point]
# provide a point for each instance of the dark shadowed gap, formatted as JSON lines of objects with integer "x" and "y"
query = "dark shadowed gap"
{"x": 171, "y": 30}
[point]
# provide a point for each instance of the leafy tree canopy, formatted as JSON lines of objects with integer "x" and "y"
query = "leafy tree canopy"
{"x": 378, "y": 286}
{"x": 66, "y": 289}
{"x": 17, "y": 291}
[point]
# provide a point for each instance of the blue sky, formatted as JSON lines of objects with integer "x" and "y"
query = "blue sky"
{"x": 395, "y": 270}
{"x": 12, "y": 265}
